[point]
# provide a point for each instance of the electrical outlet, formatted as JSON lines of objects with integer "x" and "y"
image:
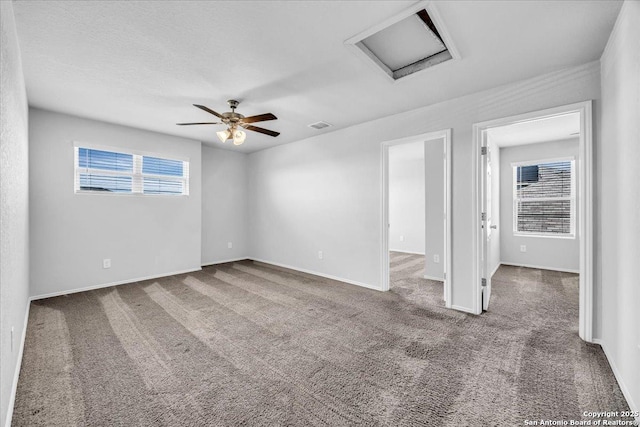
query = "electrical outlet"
{"x": 229, "y": 245}
{"x": 523, "y": 248}
{"x": 436, "y": 259}
{"x": 320, "y": 255}
{"x": 402, "y": 238}
{"x": 106, "y": 263}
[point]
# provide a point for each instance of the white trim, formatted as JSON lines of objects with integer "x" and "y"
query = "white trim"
{"x": 107, "y": 285}
{"x": 448, "y": 229}
{"x": 545, "y": 235}
{"x": 540, "y": 267}
{"x": 224, "y": 261}
{"x": 315, "y": 273}
{"x": 585, "y": 206}
{"x": 437, "y": 279}
{"x": 463, "y": 309}
{"x": 406, "y": 252}
{"x": 616, "y": 373}
{"x": 16, "y": 373}
{"x": 384, "y": 226}
{"x": 476, "y": 204}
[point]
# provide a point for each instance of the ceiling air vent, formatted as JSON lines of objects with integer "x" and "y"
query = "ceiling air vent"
{"x": 319, "y": 125}
{"x": 411, "y": 41}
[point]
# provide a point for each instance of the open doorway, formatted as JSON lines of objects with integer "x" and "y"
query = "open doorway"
{"x": 533, "y": 195}
{"x": 416, "y": 250}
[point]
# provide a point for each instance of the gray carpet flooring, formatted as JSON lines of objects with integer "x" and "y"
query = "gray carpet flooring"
{"x": 252, "y": 344}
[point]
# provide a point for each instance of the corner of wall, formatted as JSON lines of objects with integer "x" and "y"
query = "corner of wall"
{"x": 14, "y": 212}
{"x": 616, "y": 276}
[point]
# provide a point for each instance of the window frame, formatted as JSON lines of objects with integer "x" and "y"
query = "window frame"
{"x": 571, "y": 198}
{"x": 137, "y": 176}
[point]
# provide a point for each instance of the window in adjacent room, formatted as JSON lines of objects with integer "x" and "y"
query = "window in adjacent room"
{"x": 544, "y": 198}
{"x": 119, "y": 172}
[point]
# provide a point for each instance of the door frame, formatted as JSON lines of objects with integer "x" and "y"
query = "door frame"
{"x": 585, "y": 205}
{"x": 384, "y": 229}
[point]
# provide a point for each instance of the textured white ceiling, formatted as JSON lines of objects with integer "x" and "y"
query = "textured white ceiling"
{"x": 534, "y": 131}
{"x": 143, "y": 63}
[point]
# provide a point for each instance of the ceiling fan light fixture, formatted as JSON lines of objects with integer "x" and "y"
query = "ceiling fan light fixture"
{"x": 223, "y": 135}
{"x": 239, "y": 136}
{"x": 235, "y": 120}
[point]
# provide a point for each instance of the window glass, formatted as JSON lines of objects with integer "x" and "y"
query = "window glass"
{"x": 105, "y": 171}
{"x": 544, "y": 198}
{"x": 104, "y": 160}
{"x": 158, "y": 166}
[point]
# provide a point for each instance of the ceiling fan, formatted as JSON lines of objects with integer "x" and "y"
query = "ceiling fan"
{"x": 234, "y": 122}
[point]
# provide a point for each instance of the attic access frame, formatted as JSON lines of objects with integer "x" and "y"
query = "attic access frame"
{"x": 435, "y": 24}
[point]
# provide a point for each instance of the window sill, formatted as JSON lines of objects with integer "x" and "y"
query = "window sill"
{"x": 545, "y": 236}
{"x": 115, "y": 193}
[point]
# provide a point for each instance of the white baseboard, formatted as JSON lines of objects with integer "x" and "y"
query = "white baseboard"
{"x": 315, "y": 273}
{"x": 406, "y": 252}
{"x": 106, "y": 285}
{"x": 437, "y": 279}
{"x": 224, "y": 261}
{"x": 464, "y": 309}
{"x": 16, "y": 374}
{"x": 540, "y": 267}
{"x": 616, "y": 374}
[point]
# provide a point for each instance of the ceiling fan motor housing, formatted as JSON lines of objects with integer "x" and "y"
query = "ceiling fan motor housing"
{"x": 232, "y": 118}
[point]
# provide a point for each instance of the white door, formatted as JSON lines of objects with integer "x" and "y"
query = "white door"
{"x": 486, "y": 226}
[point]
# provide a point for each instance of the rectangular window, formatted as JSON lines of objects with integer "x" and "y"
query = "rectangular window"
{"x": 127, "y": 173}
{"x": 544, "y": 198}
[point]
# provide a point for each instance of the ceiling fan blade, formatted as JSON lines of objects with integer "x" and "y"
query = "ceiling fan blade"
{"x": 204, "y": 123}
{"x": 208, "y": 110}
{"x": 259, "y": 118}
{"x": 261, "y": 130}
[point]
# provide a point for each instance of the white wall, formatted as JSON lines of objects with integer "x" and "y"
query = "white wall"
{"x": 324, "y": 193}
{"x": 434, "y": 195}
{"x": 72, "y": 233}
{"x": 547, "y": 252}
{"x": 618, "y": 236}
{"x": 493, "y": 215}
{"x": 224, "y": 205}
{"x": 14, "y": 203}
{"x": 407, "y": 197}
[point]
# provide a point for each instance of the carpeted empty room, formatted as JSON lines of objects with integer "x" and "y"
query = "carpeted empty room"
{"x": 247, "y": 343}
{"x": 319, "y": 213}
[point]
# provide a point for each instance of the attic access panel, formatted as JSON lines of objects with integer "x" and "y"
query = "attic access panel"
{"x": 405, "y": 44}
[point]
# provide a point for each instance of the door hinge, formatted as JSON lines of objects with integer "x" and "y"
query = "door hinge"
{"x": 483, "y": 151}
{"x": 444, "y": 276}
{"x": 483, "y": 216}
{"x": 483, "y": 281}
